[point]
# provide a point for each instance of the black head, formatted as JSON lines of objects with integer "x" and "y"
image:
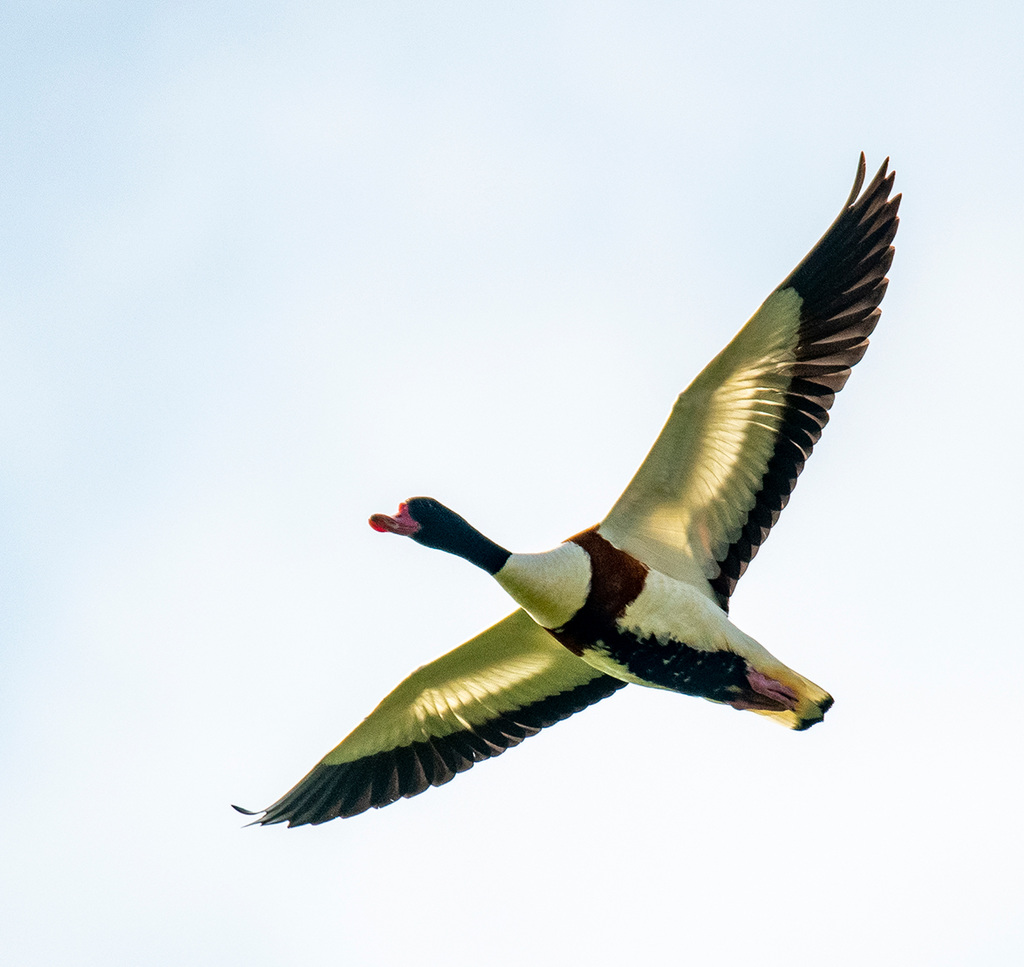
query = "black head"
{"x": 430, "y": 523}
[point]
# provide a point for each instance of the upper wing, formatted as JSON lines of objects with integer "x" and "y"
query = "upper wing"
{"x": 718, "y": 476}
{"x": 473, "y": 703}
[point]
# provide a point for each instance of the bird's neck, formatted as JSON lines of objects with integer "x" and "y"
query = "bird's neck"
{"x": 467, "y": 542}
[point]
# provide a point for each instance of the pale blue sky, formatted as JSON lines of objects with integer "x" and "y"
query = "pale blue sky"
{"x": 269, "y": 268}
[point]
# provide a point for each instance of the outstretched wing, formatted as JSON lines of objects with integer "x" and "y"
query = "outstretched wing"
{"x": 473, "y": 703}
{"x": 722, "y": 469}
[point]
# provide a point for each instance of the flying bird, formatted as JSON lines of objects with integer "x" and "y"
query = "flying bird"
{"x": 643, "y": 596}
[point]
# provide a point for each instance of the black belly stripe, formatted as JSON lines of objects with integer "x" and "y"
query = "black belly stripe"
{"x": 718, "y": 675}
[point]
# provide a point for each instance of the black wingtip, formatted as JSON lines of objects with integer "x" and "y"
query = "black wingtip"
{"x": 858, "y": 181}
{"x": 245, "y": 812}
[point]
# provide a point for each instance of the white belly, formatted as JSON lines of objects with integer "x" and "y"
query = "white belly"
{"x": 671, "y": 610}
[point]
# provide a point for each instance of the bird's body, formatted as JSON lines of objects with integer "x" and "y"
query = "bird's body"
{"x": 642, "y": 626}
{"x": 643, "y": 596}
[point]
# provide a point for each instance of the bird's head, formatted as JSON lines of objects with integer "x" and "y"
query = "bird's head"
{"x": 430, "y": 523}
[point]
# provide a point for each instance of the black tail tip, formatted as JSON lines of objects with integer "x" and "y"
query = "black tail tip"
{"x": 823, "y": 706}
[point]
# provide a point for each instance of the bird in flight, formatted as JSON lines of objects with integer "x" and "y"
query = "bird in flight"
{"x": 643, "y": 596}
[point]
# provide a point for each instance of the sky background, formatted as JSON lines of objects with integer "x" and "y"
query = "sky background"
{"x": 268, "y": 268}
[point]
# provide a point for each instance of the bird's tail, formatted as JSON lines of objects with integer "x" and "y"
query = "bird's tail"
{"x": 799, "y": 703}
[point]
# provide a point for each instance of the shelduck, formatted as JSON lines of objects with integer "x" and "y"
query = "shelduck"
{"x": 643, "y": 596}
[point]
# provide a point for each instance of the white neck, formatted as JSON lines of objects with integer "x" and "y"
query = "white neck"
{"x": 551, "y": 587}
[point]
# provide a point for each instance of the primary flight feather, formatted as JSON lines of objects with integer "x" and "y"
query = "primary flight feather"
{"x": 643, "y": 596}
